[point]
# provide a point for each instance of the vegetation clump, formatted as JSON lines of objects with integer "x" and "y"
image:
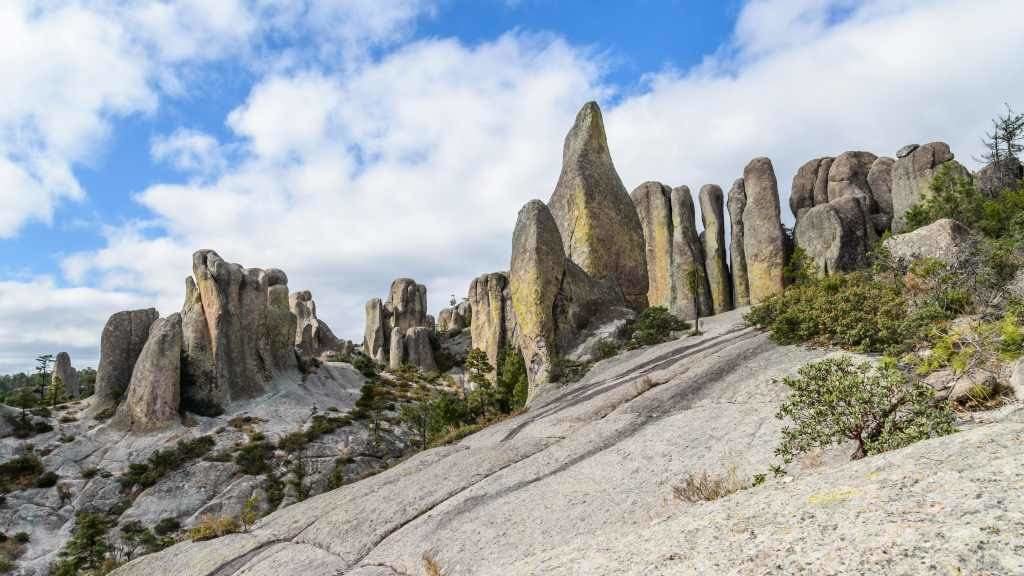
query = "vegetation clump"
{"x": 87, "y": 552}
{"x": 654, "y": 326}
{"x": 210, "y": 527}
{"x": 878, "y": 407}
{"x": 162, "y": 462}
{"x": 705, "y": 487}
{"x": 20, "y": 472}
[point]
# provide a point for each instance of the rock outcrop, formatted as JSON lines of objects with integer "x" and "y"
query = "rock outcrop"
{"x": 880, "y": 182}
{"x": 999, "y": 175}
{"x": 494, "y": 323}
{"x": 455, "y": 318}
{"x": 66, "y": 375}
{"x": 810, "y": 186}
{"x": 912, "y": 175}
{"x": 712, "y": 213}
{"x": 123, "y": 337}
{"x": 282, "y": 325}
{"x": 947, "y": 241}
{"x": 653, "y": 205}
{"x": 312, "y": 336}
{"x": 154, "y": 394}
{"x": 553, "y": 298}
{"x": 389, "y": 323}
{"x": 848, "y": 174}
{"x": 833, "y": 235}
{"x": 596, "y": 220}
{"x": 418, "y": 349}
{"x": 691, "y": 293}
{"x": 737, "y": 257}
{"x": 763, "y": 240}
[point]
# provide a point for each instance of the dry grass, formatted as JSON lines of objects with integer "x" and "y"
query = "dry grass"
{"x": 210, "y": 527}
{"x": 813, "y": 459}
{"x": 706, "y": 487}
{"x": 431, "y": 567}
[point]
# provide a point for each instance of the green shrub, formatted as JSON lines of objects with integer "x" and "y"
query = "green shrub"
{"x": 162, "y": 462}
{"x": 254, "y": 458}
{"x": 167, "y": 526}
{"x": 512, "y": 380}
{"x": 835, "y": 400}
{"x": 857, "y": 311}
{"x": 20, "y": 472}
{"x": 87, "y": 550}
{"x": 47, "y": 479}
{"x": 364, "y": 364}
{"x": 22, "y": 538}
{"x": 654, "y": 326}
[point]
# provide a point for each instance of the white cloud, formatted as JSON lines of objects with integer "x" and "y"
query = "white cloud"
{"x": 189, "y": 151}
{"x": 40, "y": 317}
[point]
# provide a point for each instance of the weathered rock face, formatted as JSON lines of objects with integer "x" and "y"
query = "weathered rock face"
{"x": 455, "y": 318}
{"x": 737, "y": 257}
{"x": 200, "y": 392}
{"x": 418, "y": 350}
{"x": 67, "y": 375}
{"x": 396, "y": 349}
{"x": 833, "y": 235}
{"x": 120, "y": 345}
{"x": 653, "y": 205}
{"x": 307, "y": 331}
{"x": 912, "y": 175}
{"x": 282, "y": 326}
{"x": 712, "y": 213}
{"x": 945, "y": 240}
{"x": 849, "y": 174}
{"x": 687, "y": 260}
{"x": 880, "y": 182}
{"x": 407, "y": 304}
{"x": 998, "y": 176}
{"x": 810, "y": 186}
{"x": 596, "y": 220}
{"x": 154, "y": 394}
{"x": 535, "y": 276}
{"x": 235, "y": 303}
{"x": 375, "y": 339}
{"x": 490, "y": 299}
{"x": 763, "y": 242}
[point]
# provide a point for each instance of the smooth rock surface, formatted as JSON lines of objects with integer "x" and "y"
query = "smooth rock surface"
{"x": 582, "y": 484}
{"x": 912, "y": 174}
{"x": 489, "y": 298}
{"x": 833, "y": 235}
{"x": 687, "y": 260}
{"x": 945, "y": 240}
{"x": 653, "y": 205}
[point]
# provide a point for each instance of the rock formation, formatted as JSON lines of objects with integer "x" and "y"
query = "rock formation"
{"x": 737, "y": 257}
{"x": 598, "y": 224}
{"x": 154, "y": 393}
{"x": 712, "y": 213}
{"x": 763, "y": 241}
{"x": 455, "y": 318}
{"x": 553, "y": 298}
{"x": 687, "y": 260}
{"x": 388, "y": 324}
{"x": 947, "y": 241}
{"x": 833, "y": 235}
{"x": 282, "y": 324}
{"x": 653, "y": 205}
{"x": 418, "y": 349}
{"x": 494, "y": 322}
{"x": 810, "y": 186}
{"x": 123, "y": 337}
{"x": 66, "y": 374}
{"x": 880, "y": 182}
{"x": 312, "y": 336}
{"x": 848, "y": 174}
{"x": 999, "y": 175}
{"x": 912, "y": 175}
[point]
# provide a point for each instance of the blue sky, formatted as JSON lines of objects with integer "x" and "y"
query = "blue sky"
{"x": 350, "y": 142}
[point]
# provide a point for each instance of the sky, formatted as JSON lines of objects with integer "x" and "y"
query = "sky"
{"x": 351, "y": 142}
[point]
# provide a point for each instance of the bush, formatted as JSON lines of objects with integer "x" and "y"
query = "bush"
{"x": 706, "y": 487}
{"x": 22, "y": 538}
{"x": 654, "y": 326}
{"x": 167, "y": 526}
{"x": 856, "y": 311}
{"x": 254, "y": 458}
{"x": 835, "y": 400}
{"x": 47, "y": 480}
{"x": 19, "y": 473}
{"x": 88, "y": 548}
{"x": 162, "y": 462}
{"x": 954, "y": 196}
{"x": 210, "y": 527}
